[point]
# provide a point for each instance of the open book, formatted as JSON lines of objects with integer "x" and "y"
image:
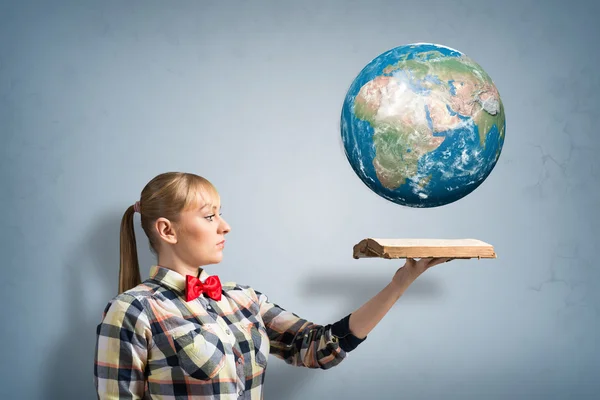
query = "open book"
{"x": 423, "y": 248}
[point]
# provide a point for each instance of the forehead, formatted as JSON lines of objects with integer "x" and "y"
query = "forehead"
{"x": 204, "y": 201}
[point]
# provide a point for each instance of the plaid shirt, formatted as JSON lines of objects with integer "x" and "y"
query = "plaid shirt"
{"x": 152, "y": 344}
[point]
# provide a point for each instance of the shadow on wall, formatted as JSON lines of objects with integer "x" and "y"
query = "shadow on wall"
{"x": 356, "y": 289}
{"x": 91, "y": 267}
{"x": 283, "y": 381}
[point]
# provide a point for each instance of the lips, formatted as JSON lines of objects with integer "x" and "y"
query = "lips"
{"x": 221, "y": 243}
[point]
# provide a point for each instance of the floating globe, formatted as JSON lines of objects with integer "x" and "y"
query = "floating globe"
{"x": 422, "y": 125}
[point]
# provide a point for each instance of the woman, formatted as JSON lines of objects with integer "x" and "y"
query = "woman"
{"x": 183, "y": 334}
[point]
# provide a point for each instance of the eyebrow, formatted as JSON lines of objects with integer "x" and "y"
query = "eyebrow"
{"x": 214, "y": 207}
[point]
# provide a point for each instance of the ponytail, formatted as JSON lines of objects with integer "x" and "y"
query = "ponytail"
{"x": 129, "y": 272}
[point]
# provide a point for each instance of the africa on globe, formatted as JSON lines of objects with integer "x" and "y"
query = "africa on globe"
{"x": 422, "y": 125}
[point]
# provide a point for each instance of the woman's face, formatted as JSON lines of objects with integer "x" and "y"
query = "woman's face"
{"x": 201, "y": 238}
{"x": 198, "y": 237}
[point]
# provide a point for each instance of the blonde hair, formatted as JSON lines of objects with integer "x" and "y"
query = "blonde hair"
{"x": 166, "y": 195}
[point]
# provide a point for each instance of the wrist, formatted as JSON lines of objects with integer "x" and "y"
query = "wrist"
{"x": 397, "y": 288}
{"x": 401, "y": 281}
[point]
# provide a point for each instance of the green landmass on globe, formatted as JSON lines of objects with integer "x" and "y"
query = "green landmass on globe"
{"x": 423, "y": 125}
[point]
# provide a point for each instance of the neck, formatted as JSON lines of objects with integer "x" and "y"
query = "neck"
{"x": 176, "y": 264}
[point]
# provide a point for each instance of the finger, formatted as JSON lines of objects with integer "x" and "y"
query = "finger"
{"x": 439, "y": 260}
{"x": 424, "y": 263}
{"x": 432, "y": 261}
{"x": 445, "y": 260}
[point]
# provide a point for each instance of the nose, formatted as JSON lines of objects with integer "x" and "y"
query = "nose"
{"x": 224, "y": 227}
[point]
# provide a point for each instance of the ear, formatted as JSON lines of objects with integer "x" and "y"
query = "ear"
{"x": 165, "y": 230}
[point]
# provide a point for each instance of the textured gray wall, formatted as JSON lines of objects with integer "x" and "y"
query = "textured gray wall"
{"x": 98, "y": 97}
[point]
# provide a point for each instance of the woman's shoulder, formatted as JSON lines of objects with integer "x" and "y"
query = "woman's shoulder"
{"x": 134, "y": 298}
{"x": 232, "y": 285}
{"x": 236, "y": 289}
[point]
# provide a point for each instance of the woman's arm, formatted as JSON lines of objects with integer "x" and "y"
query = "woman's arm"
{"x": 363, "y": 320}
{"x": 303, "y": 343}
{"x": 121, "y": 350}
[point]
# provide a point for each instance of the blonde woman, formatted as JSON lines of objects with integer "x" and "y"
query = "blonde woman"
{"x": 183, "y": 334}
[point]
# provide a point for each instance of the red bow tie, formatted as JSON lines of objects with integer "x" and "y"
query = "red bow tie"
{"x": 194, "y": 287}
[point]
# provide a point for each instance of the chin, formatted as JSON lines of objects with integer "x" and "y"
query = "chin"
{"x": 215, "y": 260}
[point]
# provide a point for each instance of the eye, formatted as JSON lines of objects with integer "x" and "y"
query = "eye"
{"x": 210, "y": 217}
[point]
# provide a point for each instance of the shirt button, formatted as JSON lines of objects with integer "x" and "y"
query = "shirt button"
{"x": 208, "y": 308}
{"x": 228, "y": 331}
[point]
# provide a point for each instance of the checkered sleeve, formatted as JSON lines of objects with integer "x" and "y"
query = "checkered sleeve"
{"x": 121, "y": 349}
{"x": 302, "y": 343}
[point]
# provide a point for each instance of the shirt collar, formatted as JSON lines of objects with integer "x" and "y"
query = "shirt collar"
{"x": 172, "y": 279}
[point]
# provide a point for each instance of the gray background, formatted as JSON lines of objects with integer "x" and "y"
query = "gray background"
{"x": 96, "y": 98}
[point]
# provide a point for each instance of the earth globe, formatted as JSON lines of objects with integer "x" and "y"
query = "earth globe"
{"x": 422, "y": 125}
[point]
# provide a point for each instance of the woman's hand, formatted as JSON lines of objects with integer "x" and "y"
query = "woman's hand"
{"x": 412, "y": 269}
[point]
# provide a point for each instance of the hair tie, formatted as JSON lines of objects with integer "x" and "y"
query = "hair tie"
{"x": 136, "y": 207}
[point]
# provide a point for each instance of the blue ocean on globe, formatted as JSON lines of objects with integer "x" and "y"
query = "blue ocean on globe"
{"x": 422, "y": 125}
